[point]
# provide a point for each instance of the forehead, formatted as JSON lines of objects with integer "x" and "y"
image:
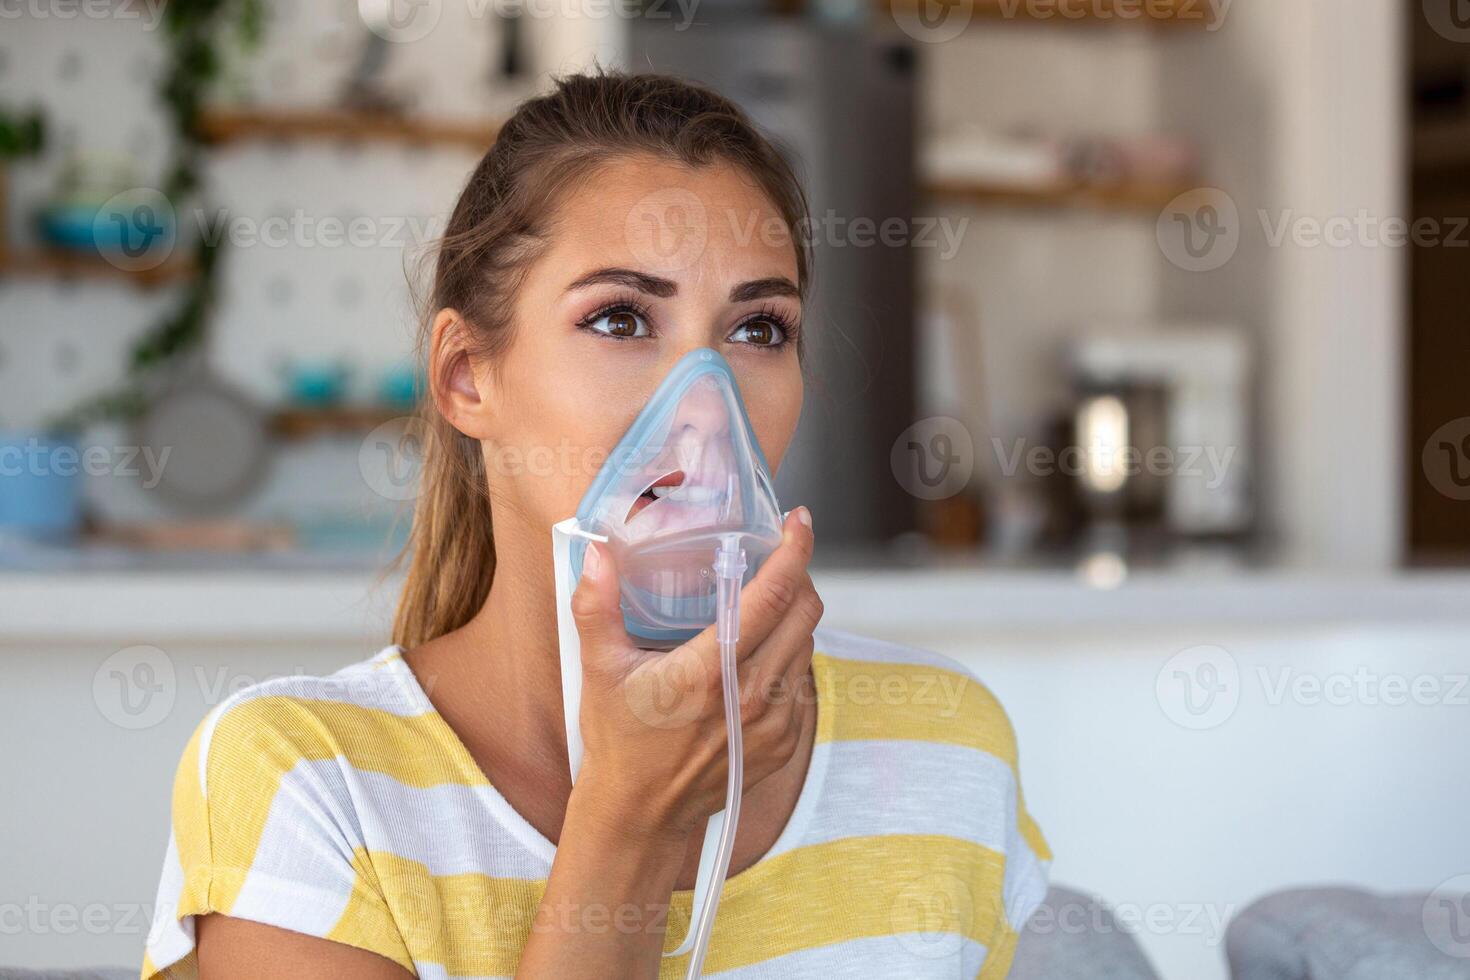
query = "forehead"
{"x": 667, "y": 217}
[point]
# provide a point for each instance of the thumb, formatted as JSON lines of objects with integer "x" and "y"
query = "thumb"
{"x": 595, "y": 607}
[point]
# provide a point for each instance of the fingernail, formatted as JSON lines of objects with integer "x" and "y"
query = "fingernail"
{"x": 591, "y": 561}
{"x": 804, "y": 515}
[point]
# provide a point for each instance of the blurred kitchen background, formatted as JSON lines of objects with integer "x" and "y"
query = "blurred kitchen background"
{"x": 1156, "y": 378}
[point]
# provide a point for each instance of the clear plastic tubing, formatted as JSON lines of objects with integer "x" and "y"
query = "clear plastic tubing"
{"x": 729, "y": 568}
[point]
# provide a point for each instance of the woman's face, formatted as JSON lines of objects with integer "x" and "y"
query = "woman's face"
{"x": 649, "y": 260}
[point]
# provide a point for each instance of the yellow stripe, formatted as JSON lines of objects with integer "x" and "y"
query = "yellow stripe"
{"x": 367, "y": 922}
{"x": 874, "y": 700}
{"x": 1031, "y": 833}
{"x": 879, "y": 700}
{"x": 185, "y": 968}
{"x": 474, "y": 924}
{"x": 191, "y": 831}
{"x": 259, "y": 740}
{"x": 890, "y": 885}
{"x": 999, "y": 957}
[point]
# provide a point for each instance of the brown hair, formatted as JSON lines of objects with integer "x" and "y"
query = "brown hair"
{"x": 550, "y": 143}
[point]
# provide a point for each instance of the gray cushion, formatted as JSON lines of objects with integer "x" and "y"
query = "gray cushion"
{"x": 1074, "y": 937}
{"x": 81, "y": 973}
{"x": 1343, "y": 934}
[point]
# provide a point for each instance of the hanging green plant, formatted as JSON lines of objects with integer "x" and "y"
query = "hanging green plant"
{"x": 21, "y": 134}
{"x": 195, "y": 33}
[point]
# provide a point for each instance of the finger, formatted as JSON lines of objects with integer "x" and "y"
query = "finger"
{"x": 595, "y": 607}
{"x": 773, "y": 673}
{"x": 792, "y": 637}
{"x": 766, "y": 597}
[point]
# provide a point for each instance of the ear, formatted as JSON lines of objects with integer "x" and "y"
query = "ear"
{"x": 454, "y": 381}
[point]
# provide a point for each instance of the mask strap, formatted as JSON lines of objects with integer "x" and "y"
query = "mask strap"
{"x": 570, "y": 642}
{"x": 568, "y": 639}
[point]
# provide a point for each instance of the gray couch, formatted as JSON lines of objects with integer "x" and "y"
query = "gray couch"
{"x": 1344, "y": 934}
{"x": 1314, "y": 934}
{"x": 1075, "y": 937}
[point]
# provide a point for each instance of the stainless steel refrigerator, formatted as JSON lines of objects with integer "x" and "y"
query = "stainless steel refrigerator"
{"x": 841, "y": 104}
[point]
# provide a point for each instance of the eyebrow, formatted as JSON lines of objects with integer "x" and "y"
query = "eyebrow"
{"x": 664, "y": 288}
{"x": 762, "y": 288}
{"x": 641, "y": 281}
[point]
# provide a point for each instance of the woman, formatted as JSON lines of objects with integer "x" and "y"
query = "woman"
{"x": 413, "y": 814}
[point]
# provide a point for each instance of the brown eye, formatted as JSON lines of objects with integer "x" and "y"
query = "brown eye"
{"x": 759, "y": 333}
{"x": 622, "y": 324}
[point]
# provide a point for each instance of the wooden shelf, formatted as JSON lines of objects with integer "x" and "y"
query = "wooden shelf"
{"x": 232, "y": 125}
{"x": 1145, "y": 14}
{"x": 305, "y": 423}
{"x": 1102, "y": 197}
{"x": 58, "y": 264}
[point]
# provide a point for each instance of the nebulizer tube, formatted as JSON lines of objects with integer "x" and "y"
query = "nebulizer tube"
{"x": 685, "y": 497}
{"x": 729, "y": 568}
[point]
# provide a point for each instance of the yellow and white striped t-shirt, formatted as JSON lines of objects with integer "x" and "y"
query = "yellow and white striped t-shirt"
{"x": 345, "y": 807}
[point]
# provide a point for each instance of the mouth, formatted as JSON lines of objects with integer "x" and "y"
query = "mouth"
{"x": 664, "y": 486}
{"x": 675, "y": 488}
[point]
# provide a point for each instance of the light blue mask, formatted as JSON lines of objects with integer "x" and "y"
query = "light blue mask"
{"x": 687, "y": 473}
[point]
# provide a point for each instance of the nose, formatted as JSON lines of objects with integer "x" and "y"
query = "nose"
{"x": 703, "y": 412}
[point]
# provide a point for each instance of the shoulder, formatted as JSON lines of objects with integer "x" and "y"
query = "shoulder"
{"x": 270, "y": 809}
{"x": 272, "y": 727}
{"x": 880, "y": 689}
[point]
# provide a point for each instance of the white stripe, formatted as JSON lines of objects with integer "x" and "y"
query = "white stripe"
{"x": 170, "y": 939}
{"x": 907, "y": 956}
{"x": 438, "y": 971}
{"x": 881, "y": 787}
{"x": 291, "y": 903}
{"x": 449, "y": 828}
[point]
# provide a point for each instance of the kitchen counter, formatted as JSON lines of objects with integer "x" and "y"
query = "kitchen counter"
{"x": 272, "y": 603}
{"x": 112, "y": 667}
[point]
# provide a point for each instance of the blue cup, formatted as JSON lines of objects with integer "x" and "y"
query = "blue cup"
{"x": 40, "y": 486}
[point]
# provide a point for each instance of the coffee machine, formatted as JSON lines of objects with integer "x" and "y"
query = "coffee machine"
{"x": 1160, "y": 425}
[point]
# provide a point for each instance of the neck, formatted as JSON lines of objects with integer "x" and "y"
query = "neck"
{"x": 510, "y": 660}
